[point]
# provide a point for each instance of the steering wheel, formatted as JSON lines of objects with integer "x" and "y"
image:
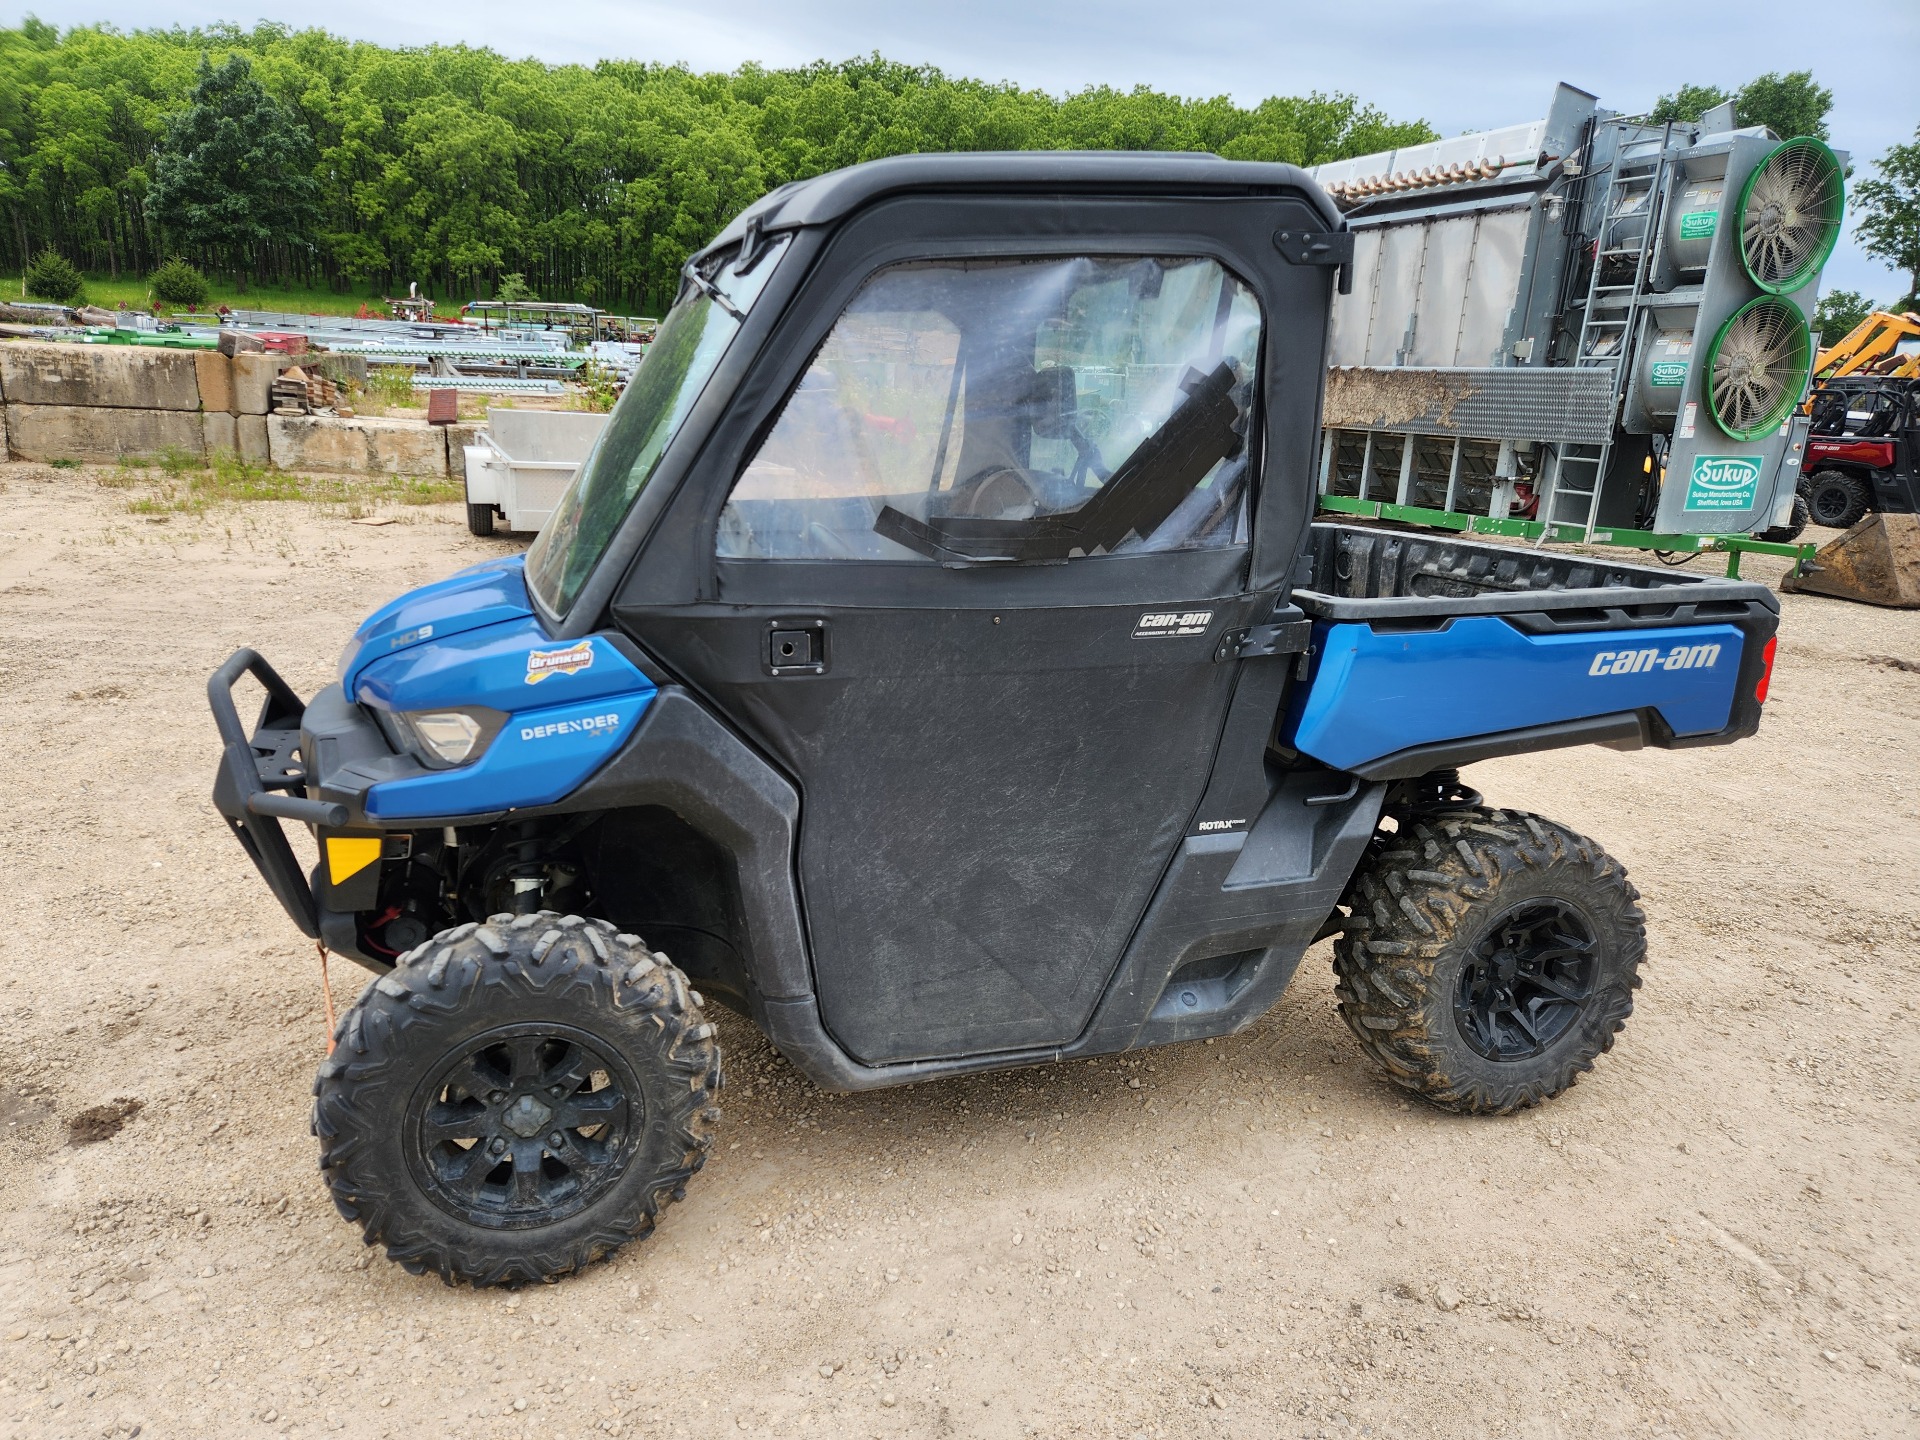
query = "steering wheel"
{"x": 997, "y": 493}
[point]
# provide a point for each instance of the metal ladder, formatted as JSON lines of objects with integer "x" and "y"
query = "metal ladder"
{"x": 1576, "y": 470}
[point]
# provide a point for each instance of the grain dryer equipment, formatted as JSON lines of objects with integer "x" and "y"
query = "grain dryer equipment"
{"x": 1585, "y": 327}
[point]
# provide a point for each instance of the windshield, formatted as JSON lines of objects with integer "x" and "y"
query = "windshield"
{"x": 683, "y": 356}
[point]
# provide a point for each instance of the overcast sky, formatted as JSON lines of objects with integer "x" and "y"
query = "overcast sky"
{"x": 1460, "y": 66}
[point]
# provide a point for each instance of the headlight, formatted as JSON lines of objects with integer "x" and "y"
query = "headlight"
{"x": 445, "y": 738}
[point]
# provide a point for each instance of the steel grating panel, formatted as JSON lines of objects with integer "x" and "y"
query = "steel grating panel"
{"x": 1560, "y": 404}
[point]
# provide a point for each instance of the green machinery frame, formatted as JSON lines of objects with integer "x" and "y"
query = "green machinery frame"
{"x": 1733, "y": 546}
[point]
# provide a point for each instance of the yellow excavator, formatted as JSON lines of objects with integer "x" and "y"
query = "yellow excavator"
{"x": 1883, "y": 344}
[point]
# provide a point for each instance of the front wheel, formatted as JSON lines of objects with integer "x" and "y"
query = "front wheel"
{"x": 1489, "y": 957}
{"x": 517, "y": 1099}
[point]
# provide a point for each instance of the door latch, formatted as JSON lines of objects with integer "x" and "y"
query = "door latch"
{"x": 796, "y": 647}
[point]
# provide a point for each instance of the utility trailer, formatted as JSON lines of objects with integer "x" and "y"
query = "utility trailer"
{"x": 935, "y": 663}
{"x": 520, "y": 465}
{"x": 1587, "y": 328}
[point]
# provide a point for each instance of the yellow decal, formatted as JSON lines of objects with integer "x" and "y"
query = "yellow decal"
{"x": 348, "y": 855}
{"x": 542, "y": 663}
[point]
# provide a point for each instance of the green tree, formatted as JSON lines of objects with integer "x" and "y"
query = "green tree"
{"x": 179, "y": 284}
{"x": 1789, "y": 105}
{"x": 233, "y": 177}
{"x": 298, "y": 154}
{"x": 1689, "y": 102}
{"x": 52, "y": 276}
{"x": 1889, "y": 209}
{"x": 1838, "y": 312}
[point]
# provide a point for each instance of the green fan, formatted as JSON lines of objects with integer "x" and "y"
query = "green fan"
{"x": 1757, "y": 367}
{"x": 1790, "y": 212}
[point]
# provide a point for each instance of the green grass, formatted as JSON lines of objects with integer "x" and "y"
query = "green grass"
{"x": 186, "y": 485}
{"x": 135, "y": 291}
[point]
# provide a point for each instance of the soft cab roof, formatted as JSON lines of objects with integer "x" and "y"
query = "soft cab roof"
{"x": 838, "y": 193}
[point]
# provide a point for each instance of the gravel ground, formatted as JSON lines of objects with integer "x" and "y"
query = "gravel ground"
{"x": 1712, "y": 1235}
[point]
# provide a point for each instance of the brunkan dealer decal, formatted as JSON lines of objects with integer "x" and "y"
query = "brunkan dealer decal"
{"x": 571, "y": 661}
{"x": 1723, "y": 482}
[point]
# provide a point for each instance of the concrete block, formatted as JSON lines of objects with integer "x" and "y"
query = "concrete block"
{"x": 358, "y": 446}
{"x": 217, "y": 428}
{"x": 250, "y": 439}
{"x": 339, "y": 368}
{"x": 459, "y": 436}
{"x": 99, "y": 433}
{"x": 253, "y": 377}
{"x": 215, "y": 373}
{"x": 117, "y": 376}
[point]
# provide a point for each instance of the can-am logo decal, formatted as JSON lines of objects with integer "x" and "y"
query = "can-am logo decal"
{"x": 1635, "y": 662}
{"x": 1159, "y": 624}
{"x": 588, "y": 725}
{"x": 572, "y": 660}
{"x": 1723, "y": 482}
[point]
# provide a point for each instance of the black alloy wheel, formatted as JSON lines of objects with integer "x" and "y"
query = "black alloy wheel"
{"x": 523, "y": 1126}
{"x": 517, "y": 1099}
{"x": 1837, "y": 499}
{"x": 1489, "y": 956}
{"x": 1526, "y": 981}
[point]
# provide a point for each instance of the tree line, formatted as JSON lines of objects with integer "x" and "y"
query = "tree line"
{"x": 296, "y": 155}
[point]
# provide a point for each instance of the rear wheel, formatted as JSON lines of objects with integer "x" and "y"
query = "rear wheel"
{"x": 480, "y": 519}
{"x": 517, "y": 1099}
{"x": 1836, "y": 499}
{"x": 1488, "y": 958}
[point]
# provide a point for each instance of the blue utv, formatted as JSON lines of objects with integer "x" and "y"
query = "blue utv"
{"x": 934, "y": 662}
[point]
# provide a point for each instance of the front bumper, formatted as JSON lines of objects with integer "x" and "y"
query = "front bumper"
{"x": 257, "y": 772}
{"x": 308, "y": 761}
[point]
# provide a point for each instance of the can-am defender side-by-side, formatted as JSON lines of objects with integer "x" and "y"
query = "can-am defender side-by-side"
{"x": 934, "y": 662}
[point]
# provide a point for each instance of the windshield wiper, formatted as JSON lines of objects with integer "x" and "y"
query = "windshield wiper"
{"x": 712, "y": 291}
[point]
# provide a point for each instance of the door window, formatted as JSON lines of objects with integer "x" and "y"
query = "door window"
{"x": 1013, "y": 411}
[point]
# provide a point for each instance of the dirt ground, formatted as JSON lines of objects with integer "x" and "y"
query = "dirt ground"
{"x": 1712, "y": 1235}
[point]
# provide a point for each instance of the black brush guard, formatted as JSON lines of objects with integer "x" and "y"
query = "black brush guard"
{"x": 254, "y": 771}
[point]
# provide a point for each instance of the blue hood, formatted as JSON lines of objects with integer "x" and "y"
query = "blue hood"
{"x": 480, "y": 595}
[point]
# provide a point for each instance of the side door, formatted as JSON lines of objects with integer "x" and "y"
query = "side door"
{"x": 968, "y": 588}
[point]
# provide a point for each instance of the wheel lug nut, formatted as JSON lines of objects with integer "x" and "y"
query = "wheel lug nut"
{"x": 556, "y": 1139}
{"x": 497, "y": 1146}
{"x": 498, "y": 1097}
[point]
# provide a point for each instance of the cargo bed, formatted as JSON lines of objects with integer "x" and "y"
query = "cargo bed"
{"x": 1362, "y": 573}
{"x": 1433, "y": 652}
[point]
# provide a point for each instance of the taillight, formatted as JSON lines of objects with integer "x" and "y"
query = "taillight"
{"x": 1766, "y": 671}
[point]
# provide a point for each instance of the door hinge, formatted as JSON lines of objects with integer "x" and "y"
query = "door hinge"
{"x": 1289, "y": 635}
{"x": 1319, "y": 247}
